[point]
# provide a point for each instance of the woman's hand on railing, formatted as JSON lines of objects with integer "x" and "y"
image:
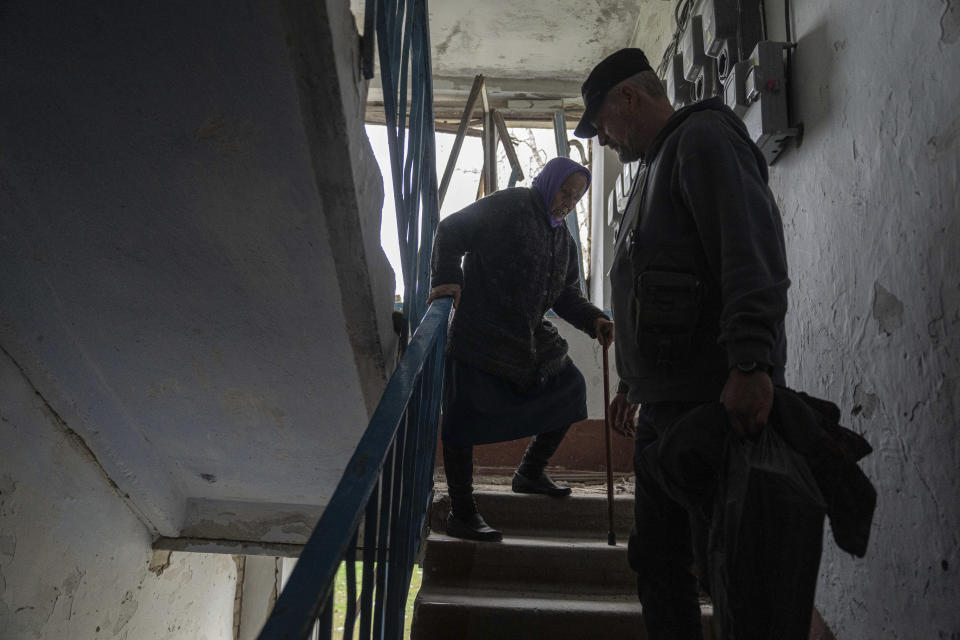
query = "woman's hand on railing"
{"x": 445, "y": 291}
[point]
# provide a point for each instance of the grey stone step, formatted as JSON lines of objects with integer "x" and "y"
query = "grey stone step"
{"x": 580, "y": 514}
{"x": 581, "y": 564}
{"x": 474, "y": 614}
{"x": 552, "y": 577}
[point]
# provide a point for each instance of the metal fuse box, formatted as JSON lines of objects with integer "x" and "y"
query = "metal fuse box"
{"x": 706, "y": 84}
{"x": 719, "y": 23}
{"x": 694, "y": 55}
{"x": 723, "y": 18}
{"x": 735, "y": 88}
{"x": 727, "y": 58}
{"x": 678, "y": 89}
{"x": 765, "y": 87}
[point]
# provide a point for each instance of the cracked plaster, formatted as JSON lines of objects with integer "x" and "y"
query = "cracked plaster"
{"x": 869, "y": 203}
{"x": 950, "y": 22}
{"x": 74, "y": 560}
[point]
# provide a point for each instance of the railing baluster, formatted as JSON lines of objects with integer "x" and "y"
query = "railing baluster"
{"x": 383, "y": 541}
{"x": 402, "y": 561}
{"x": 350, "y": 617}
{"x": 416, "y": 480}
{"x": 325, "y": 624}
{"x": 369, "y": 559}
{"x": 395, "y": 562}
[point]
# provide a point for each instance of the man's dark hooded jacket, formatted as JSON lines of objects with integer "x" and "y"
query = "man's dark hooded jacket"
{"x": 516, "y": 266}
{"x": 705, "y": 209}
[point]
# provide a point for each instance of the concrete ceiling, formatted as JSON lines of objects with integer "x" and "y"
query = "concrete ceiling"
{"x": 169, "y": 283}
{"x": 548, "y": 39}
{"x": 533, "y": 50}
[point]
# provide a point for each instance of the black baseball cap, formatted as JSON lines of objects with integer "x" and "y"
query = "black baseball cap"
{"x": 611, "y": 71}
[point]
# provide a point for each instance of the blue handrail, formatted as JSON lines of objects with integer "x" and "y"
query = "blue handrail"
{"x": 403, "y": 39}
{"x": 387, "y": 482}
{"x": 387, "y": 485}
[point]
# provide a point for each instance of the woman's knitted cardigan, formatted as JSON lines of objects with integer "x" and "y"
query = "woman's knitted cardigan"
{"x": 515, "y": 267}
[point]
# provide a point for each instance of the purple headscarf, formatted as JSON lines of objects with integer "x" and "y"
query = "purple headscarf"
{"x": 549, "y": 181}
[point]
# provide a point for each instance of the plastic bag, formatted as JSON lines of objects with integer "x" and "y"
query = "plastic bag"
{"x": 765, "y": 541}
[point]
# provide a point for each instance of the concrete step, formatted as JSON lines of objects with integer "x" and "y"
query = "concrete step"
{"x": 528, "y": 561}
{"x": 476, "y": 614}
{"x": 577, "y": 515}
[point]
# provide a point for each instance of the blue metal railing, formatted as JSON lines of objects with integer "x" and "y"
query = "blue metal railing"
{"x": 403, "y": 39}
{"x": 386, "y": 485}
{"x": 387, "y": 482}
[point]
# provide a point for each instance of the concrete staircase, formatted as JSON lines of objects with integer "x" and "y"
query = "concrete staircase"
{"x": 553, "y": 577}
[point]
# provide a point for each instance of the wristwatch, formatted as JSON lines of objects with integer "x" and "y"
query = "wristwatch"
{"x": 750, "y": 367}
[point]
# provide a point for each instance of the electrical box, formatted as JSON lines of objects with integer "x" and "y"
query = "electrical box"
{"x": 706, "y": 84}
{"x": 678, "y": 89}
{"x": 694, "y": 55}
{"x": 735, "y": 88}
{"x": 736, "y": 20}
{"x": 765, "y": 88}
{"x": 719, "y": 23}
{"x": 727, "y": 58}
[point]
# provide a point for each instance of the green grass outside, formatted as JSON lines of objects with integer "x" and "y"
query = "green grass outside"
{"x": 340, "y": 599}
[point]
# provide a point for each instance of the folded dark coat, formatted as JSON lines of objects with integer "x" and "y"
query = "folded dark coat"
{"x": 810, "y": 427}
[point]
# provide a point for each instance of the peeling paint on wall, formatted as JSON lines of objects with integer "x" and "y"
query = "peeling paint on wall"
{"x": 864, "y": 404}
{"x": 887, "y": 309}
{"x": 7, "y": 487}
{"x": 159, "y": 562}
{"x": 950, "y": 22}
{"x": 297, "y": 526}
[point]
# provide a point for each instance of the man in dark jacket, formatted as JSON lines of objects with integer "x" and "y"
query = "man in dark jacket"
{"x": 507, "y": 374}
{"x": 699, "y": 289}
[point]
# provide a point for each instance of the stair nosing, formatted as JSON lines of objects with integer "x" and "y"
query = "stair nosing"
{"x": 518, "y": 540}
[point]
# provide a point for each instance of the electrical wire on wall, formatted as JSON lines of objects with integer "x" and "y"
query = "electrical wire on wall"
{"x": 681, "y": 14}
{"x": 739, "y": 32}
{"x": 788, "y": 65}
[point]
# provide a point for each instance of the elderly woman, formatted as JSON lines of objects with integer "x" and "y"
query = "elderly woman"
{"x": 507, "y": 374}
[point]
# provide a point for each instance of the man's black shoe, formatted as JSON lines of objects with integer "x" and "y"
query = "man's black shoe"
{"x": 543, "y": 484}
{"x": 472, "y": 528}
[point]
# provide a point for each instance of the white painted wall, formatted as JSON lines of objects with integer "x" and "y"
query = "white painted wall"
{"x": 587, "y": 354}
{"x": 261, "y": 586}
{"x": 74, "y": 560}
{"x": 870, "y": 205}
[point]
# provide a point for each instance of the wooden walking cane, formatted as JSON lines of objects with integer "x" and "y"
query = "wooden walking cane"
{"x": 611, "y": 536}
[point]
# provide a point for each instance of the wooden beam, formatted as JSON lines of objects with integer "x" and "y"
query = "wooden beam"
{"x": 473, "y": 131}
{"x": 490, "y": 152}
{"x": 482, "y": 183}
{"x": 475, "y": 91}
{"x": 507, "y": 144}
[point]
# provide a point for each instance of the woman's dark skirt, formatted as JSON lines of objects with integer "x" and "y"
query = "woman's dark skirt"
{"x": 480, "y": 408}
